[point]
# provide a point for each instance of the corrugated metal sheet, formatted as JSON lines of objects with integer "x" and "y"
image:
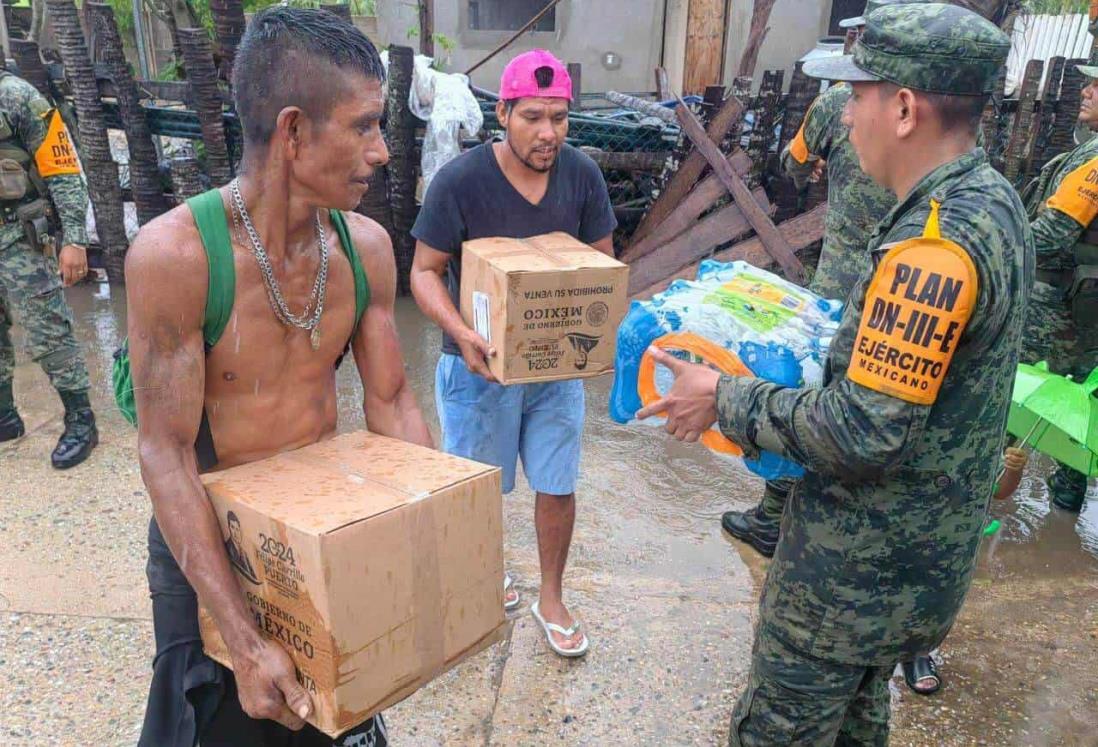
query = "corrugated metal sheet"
{"x": 1044, "y": 37}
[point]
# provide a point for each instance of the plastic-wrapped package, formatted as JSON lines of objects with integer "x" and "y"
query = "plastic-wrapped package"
{"x": 736, "y": 318}
{"x": 448, "y": 106}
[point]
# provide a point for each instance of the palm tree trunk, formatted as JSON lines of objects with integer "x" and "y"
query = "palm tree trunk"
{"x": 94, "y": 147}
{"x": 198, "y": 58}
{"x": 148, "y": 194}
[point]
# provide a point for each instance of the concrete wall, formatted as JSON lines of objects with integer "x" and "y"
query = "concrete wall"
{"x": 795, "y": 26}
{"x": 395, "y": 17}
{"x": 585, "y": 30}
{"x": 636, "y": 30}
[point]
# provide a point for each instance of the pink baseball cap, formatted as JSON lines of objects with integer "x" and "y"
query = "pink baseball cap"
{"x": 519, "y": 81}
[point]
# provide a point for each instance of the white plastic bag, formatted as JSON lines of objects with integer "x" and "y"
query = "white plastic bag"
{"x": 448, "y": 106}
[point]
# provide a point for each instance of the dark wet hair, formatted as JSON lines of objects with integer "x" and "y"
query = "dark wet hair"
{"x": 281, "y": 62}
{"x": 231, "y": 518}
{"x": 954, "y": 112}
{"x": 958, "y": 112}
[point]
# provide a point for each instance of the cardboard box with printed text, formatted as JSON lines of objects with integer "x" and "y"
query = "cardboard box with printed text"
{"x": 376, "y": 563}
{"x": 550, "y": 305}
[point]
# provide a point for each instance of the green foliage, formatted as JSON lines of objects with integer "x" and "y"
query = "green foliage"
{"x": 172, "y": 71}
{"x": 1055, "y": 7}
{"x": 123, "y": 16}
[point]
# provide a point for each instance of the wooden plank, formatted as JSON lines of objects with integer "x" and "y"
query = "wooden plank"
{"x": 700, "y": 199}
{"x": 628, "y": 160}
{"x": 1020, "y": 136}
{"x": 705, "y": 29}
{"x": 663, "y": 85}
{"x": 775, "y": 244}
{"x": 426, "y": 27}
{"x": 760, "y": 17}
{"x": 575, "y": 72}
{"x": 723, "y": 225}
{"x": 690, "y": 169}
{"x": 801, "y": 232}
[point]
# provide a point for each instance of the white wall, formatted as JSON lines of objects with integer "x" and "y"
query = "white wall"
{"x": 634, "y": 29}
{"x": 395, "y": 17}
{"x": 586, "y": 29}
{"x": 795, "y": 26}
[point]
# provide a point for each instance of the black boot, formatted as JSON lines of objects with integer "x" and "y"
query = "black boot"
{"x": 1067, "y": 489}
{"x": 80, "y": 436}
{"x": 11, "y": 425}
{"x": 753, "y": 527}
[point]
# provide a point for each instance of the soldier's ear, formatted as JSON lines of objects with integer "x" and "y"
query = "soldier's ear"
{"x": 907, "y": 112}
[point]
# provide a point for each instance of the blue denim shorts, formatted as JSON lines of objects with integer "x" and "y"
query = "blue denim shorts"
{"x": 496, "y": 424}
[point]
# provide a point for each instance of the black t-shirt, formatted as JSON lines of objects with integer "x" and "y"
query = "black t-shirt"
{"x": 470, "y": 198}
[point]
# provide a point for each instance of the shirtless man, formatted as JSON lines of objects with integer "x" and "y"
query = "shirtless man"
{"x": 308, "y": 89}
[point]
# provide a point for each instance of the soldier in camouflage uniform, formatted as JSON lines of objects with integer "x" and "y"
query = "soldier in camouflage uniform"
{"x": 39, "y": 179}
{"x": 855, "y": 204}
{"x": 1062, "y": 324}
{"x": 879, "y": 539}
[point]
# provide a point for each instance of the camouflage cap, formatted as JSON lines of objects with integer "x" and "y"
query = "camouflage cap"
{"x": 930, "y": 47}
{"x": 870, "y": 6}
{"x": 1090, "y": 71}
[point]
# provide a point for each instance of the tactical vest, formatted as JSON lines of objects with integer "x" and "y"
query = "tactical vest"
{"x": 18, "y": 170}
{"x": 1080, "y": 283}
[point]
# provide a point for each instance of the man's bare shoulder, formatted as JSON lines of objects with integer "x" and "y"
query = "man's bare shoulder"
{"x": 167, "y": 259}
{"x": 375, "y": 250}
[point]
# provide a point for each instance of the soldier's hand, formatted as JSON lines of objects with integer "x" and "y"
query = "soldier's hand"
{"x": 818, "y": 170}
{"x": 73, "y": 262}
{"x": 691, "y": 404}
{"x": 1015, "y": 458}
{"x": 475, "y": 351}
{"x": 268, "y": 688}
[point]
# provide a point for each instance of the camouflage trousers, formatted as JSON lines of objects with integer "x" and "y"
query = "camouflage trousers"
{"x": 795, "y": 700}
{"x": 774, "y": 497}
{"x": 30, "y": 294}
{"x": 1052, "y": 335}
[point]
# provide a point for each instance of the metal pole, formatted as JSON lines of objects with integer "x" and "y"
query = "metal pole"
{"x": 529, "y": 24}
{"x": 4, "y": 34}
{"x": 139, "y": 32}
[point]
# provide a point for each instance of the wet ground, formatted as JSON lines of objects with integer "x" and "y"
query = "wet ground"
{"x": 668, "y": 601}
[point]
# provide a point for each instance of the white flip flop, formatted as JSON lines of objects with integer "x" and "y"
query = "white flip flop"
{"x": 508, "y": 584}
{"x": 568, "y": 653}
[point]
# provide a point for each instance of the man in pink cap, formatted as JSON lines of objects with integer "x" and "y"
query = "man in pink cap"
{"x": 529, "y": 184}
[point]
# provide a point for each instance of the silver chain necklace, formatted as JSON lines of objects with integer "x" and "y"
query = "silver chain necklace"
{"x": 304, "y": 320}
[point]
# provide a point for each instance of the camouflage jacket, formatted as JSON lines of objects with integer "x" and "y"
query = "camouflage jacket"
{"x": 855, "y": 203}
{"x": 29, "y": 116}
{"x": 879, "y": 539}
{"x": 1058, "y": 211}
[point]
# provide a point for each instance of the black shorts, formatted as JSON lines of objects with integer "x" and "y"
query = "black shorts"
{"x": 192, "y": 698}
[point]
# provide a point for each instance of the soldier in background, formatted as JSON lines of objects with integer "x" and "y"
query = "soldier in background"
{"x": 43, "y": 203}
{"x": 855, "y": 205}
{"x": 1062, "y": 324}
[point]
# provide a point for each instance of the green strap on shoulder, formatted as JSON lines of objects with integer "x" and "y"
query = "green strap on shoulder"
{"x": 362, "y": 285}
{"x": 209, "y": 216}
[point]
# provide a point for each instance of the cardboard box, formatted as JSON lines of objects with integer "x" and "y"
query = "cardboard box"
{"x": 376, "y": 563}
{"x": 550, "y": 305}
